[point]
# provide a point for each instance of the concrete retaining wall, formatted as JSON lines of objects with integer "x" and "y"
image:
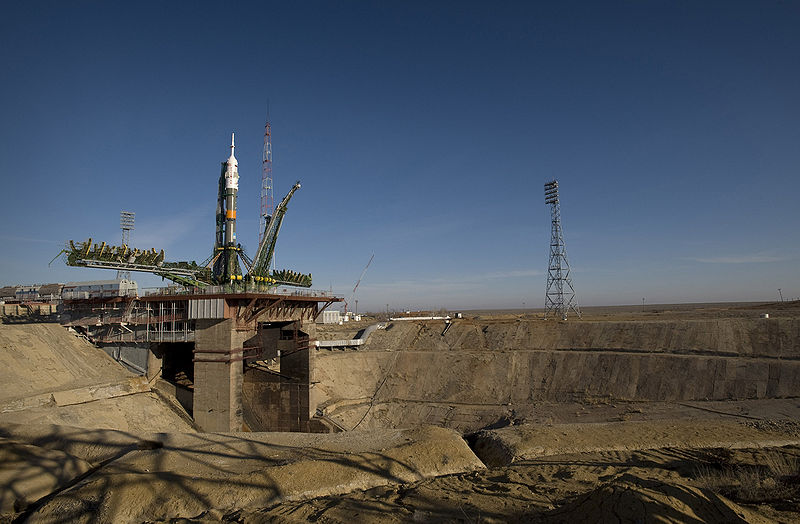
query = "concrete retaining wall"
{"x": 134, "y": 357}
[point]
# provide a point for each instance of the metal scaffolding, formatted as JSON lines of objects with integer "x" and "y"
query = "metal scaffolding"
{"x": 560, "y": 294}
{"x": 129, "y": 320}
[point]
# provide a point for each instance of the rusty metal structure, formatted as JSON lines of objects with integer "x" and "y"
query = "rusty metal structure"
{"x": 169, "y": 315}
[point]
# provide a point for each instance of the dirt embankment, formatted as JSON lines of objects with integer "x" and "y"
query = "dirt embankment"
{"x": 50, "y": 376}
{"x": 515, "y": 444}
{"x": 478, "y": 371}
{"x": 671, "y": 485}
{"x": 41, "y": 358}
{"x": 562, "y": 474}
{"x": 662, "y": 470}
{"x": 58, "y": 473}
{"x": 754, "y": 337}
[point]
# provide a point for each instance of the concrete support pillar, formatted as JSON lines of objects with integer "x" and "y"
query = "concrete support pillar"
{"x": 218, "y": 376}
{"x": 297, "y": 365}
{"x": 155, "y": 356}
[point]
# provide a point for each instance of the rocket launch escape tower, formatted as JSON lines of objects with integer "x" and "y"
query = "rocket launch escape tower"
{"x": 223, "y": 266}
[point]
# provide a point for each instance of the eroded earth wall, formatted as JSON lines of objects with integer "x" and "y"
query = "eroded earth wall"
{"x": 50, "y": 376}
{"x": 521, "y": 362}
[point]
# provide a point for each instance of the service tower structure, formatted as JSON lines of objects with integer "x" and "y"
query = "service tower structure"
{"x": 226, "y": 250}
{"x": 267, "y": 200}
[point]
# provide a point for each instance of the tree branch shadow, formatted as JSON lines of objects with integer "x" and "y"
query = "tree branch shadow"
{"x": 108, "y": 475}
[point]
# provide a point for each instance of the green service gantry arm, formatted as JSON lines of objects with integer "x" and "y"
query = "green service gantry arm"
{"x": 266, "y": 249}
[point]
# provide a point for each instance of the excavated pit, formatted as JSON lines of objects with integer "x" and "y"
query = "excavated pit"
{"x": 603, "y": 418}
{"x": 485, "y": 373}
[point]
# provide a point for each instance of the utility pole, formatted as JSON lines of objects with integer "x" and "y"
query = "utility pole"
{"x": 780, "y": 294}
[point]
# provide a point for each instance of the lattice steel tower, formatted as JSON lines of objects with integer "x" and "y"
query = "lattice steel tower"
{"x": 560, "y": 295}
{"x": 126, "y": 219}
{"x": 267, "y": 201}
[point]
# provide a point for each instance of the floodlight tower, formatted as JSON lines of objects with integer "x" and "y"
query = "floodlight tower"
{"x": 267, "y": 201}
{"x": 560, "y": 295}
{"x": 126, "y": 219}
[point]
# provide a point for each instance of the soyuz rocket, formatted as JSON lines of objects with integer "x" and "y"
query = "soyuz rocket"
{"x": 226, "y": 266}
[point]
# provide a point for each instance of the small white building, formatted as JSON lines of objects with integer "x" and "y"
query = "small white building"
{"x": 99, "y": 289}
{"x": 28, "y": 293}
{"x": 329, "y": 317}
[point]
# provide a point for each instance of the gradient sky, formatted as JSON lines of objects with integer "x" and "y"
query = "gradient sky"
{"x": 422, "y": 132}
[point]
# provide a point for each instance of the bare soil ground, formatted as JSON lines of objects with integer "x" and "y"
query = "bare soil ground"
{"x": 64, "y": 474}
{"x": 41, "y": 358}
{"x": 664, "y": 485}
{"x": 689, "y": 461}
{"x": 587, "y": 460}
{"x": 696, "y": 311}
{"x": 58, "y": 474}
{"x": 50, "y": 376}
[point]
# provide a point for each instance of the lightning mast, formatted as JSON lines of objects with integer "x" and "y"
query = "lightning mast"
{"x": 267, "y": 200}
{"x": 560, "y": 295}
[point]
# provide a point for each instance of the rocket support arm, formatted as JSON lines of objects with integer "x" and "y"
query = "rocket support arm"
{"x": 266, "y": 249}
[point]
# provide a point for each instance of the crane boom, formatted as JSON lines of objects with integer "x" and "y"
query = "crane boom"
{"x": 266, "y": 248}
{"x": 362, "y": 273}
{"x": 353, "y": 294}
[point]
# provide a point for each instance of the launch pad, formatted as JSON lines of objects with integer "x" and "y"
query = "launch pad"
{"x": 202, "y": 343}
{"x": 228, "y": 314}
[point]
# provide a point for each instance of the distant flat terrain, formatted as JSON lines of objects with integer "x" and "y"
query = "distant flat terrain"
{"x": 653, "y": 311}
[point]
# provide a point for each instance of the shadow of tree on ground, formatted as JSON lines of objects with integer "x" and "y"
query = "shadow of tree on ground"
{"x": 106, "y": 475}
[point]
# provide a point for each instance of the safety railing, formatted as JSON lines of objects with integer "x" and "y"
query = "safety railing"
{"x": 233, "y": 289}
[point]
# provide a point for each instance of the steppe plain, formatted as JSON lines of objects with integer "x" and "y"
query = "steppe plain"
{"x": 656, "y": 414}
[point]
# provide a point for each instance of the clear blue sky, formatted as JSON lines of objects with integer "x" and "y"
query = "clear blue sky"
{"x": 422, "y": 132}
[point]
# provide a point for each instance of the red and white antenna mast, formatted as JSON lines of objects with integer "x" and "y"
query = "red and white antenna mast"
{"x": 267, "y": 200}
